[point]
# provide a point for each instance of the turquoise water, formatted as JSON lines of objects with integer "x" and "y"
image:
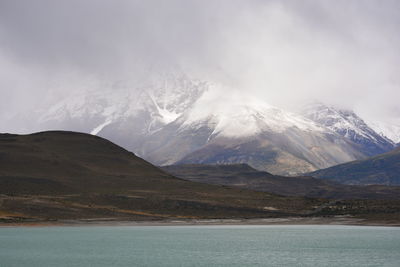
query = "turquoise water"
{"x": 200, "y": 246}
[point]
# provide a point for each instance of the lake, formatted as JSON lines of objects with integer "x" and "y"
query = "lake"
{"x": 200, "y": 246}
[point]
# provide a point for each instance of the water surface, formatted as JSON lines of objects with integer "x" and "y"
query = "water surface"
{"x": 200, "y": 246}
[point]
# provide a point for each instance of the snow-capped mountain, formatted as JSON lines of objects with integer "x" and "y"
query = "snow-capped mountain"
{"x": 242, "y": 129}
{"x": 173, "y": 118}
{"x": 349, "y": 125}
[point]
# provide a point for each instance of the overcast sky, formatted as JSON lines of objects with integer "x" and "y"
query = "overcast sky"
{"x": 342, "y": 52}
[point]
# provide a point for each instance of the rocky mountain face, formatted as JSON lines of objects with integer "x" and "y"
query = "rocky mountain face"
{"x": 174, "y": 118}
{"x": 349, "y": 125}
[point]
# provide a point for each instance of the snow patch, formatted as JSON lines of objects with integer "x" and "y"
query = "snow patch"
{"x": 167, "y": 116}
{"x": 96, "y": 130}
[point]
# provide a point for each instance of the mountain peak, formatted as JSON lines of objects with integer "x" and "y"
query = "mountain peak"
{"x": 349, "y": 125}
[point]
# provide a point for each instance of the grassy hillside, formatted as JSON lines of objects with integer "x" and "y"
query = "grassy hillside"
{"x": 383, "y": 169}
{"x": 244, "y": 176}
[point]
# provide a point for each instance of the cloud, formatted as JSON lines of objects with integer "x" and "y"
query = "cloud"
{"x": 287, "y": 52}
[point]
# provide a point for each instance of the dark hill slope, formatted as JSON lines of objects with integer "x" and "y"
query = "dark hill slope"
{"x": 71, "y": 162}
{"x": 383, "y": 169}
{"x": 244, "y": 176}
{"x": 66, "y": 175}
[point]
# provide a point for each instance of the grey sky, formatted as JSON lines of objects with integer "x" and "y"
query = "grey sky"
{"x": 341, "y": 52}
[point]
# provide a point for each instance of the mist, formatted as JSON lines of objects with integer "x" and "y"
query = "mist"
{"x": 343, "y": 53}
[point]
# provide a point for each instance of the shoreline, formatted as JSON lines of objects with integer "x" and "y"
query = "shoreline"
{"x": 337, "y": 220}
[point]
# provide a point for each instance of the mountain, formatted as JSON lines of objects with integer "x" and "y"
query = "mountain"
{"x": 349, "y": 125}
{"x": 243, "y": 176}
{"x": 66, "y": 175}
{"x": 382, "y": 169}
{"x": 175, "y": 119}
{"x": 246, "y": 130}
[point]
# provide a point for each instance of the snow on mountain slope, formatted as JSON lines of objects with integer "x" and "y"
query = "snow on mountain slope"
{"x": 389, "y": 128}
{"x": 161, "y": 100}
{"x": 349, "y": 125}
{"x": 240, "y": 115}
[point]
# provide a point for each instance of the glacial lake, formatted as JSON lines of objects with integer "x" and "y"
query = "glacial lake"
{"x": 200, "y": 246}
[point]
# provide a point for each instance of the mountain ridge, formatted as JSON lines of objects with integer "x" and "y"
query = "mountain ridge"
{"x": 381, "y": 169}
